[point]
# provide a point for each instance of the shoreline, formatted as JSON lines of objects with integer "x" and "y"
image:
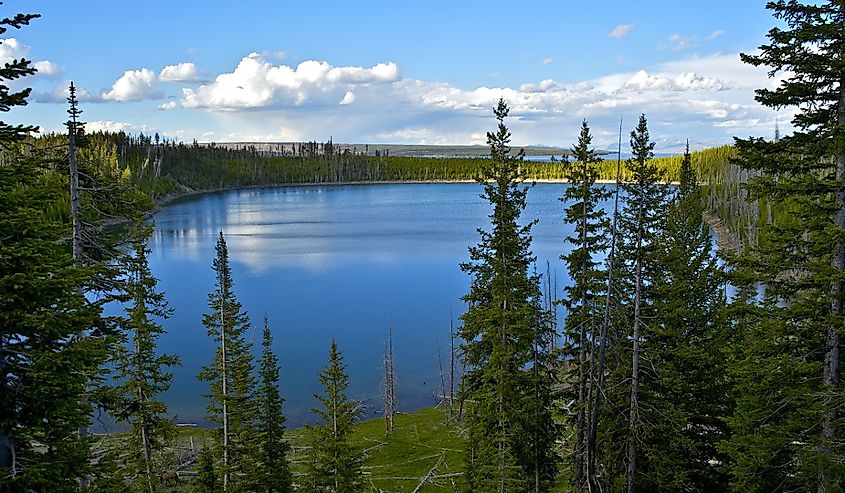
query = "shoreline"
{"x": 165, "y": 200}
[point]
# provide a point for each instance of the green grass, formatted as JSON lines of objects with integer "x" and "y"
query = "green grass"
{"x": 394, "y": 462}
{"x": 397, "y": 462}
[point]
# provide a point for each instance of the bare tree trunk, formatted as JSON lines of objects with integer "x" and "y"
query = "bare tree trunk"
{"x": 390, "y": 380}
{"x": 224, "y": 378}
{"x": 830, "y": 376}
{"x": 146, "y": 446}
{"x": 599, "y": 369}
{"x": 635, "y": 357}
{"x": 148, "y": 457}
{"x": 581, "y": 424}
{"x": 74, "y": 192}
{"x": 501, "y": 408}
{"x": 76, "y": 223}
{"x": 451, "y": 364}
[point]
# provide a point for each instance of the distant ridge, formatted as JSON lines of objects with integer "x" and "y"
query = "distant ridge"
{"x": 418, "y": 150}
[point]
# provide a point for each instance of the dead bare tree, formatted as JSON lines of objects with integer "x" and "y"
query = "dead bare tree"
{"x": 598, "y": 369}
{"x": 389, "y": 395}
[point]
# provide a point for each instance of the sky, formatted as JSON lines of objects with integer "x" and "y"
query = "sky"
{"x": 399, "y": 72}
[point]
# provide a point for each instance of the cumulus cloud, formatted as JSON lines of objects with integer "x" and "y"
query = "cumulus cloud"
{"x": 181, "y": 72}
{"x": 60, "y": 93}
{"x": 48, "y": 69}
{"x": 255, "y": 83}
{"x": 133, "y": 85}
{"x": 710, "y": 97}
{"x": 548, "y": 61}
{"x": 12, "y": 49}
{"x": 109, "y": 126}
{"x": 687, "y": 81}
{"x": 545, "y": 85}
{"x": 621, "y": 31}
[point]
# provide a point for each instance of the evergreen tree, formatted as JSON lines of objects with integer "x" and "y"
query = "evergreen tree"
{"x": 787, "y": 428}
{"x": 500, "y": 332}
{"x": 333, "y": 464}
{"x": 684, "y": 390}
{"x": 583, "y": 303}
{"x": 231, "y": 377}
{"x": 45, "y": 369}
{"x": 206, "y": 480}
{"x": 641, "y": 220}
{"x": 142, "y": 372}
{"x": 274, "y": 469}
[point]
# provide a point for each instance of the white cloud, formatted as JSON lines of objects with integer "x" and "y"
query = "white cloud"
{"x": 621, "y": 31}
{"x": 60, "y": 93}
{"x": 548, "y": 61}
{"x": 255, "y": 82}
{"x": 109, "y": 126}
{"x": 687, "y": 81}
{"x": 48, "y": 69}
{"x": 181, "y": 72}
{"x": 678, "y": 42}
{"x": 709, "y": 97}
{"x": 545, "y": 85}
{"x": 12, "y": 49}
{"x": 715, "y": 34}
{"x": 133, "y": 85}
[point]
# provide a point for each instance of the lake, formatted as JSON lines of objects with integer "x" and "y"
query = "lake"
{"x": 333, "y": 262}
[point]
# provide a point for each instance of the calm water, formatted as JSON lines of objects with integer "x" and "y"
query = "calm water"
{"x": 333, "y": 262}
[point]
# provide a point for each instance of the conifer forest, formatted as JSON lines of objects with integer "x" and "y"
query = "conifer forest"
{"x": 695, "y": 345}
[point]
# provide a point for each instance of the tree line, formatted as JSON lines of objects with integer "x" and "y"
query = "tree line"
{"x": 680, "y": 368}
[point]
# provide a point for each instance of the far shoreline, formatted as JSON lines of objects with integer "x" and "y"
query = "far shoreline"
{"x": 186, "y": 192}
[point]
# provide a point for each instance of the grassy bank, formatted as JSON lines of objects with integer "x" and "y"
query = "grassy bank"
{"x": 422, "y": 445}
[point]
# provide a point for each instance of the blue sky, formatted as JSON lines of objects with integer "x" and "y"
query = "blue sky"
{"x": 399, "y": 72}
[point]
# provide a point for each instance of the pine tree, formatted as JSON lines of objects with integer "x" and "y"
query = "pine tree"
{"x": 333, "y": 464}
{"x": 499, "y": 331}
{"x": 275, "y": 476}
{"x": 206, "y": 480}
{"x": 640, "y": 222}
{"x": 585, "y": 214}
{"x": 787, "y": 426}
{"x": 231, "y": 376}
{"x": 684, "y": 389}
{"x": 142, "y": 371}
{"x": 45, "y": 369}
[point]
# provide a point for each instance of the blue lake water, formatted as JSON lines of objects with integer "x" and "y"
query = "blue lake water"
{"x": 333, "y": 262}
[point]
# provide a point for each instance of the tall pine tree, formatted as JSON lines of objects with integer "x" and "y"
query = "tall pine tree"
{"x": 589, "y": 223}
{"x": 230, "y": 375}
{"x": 333, "y": 464}
{"x": 684, "y": 390}
{"x": 788, "y": 427}
{"x": 142, "y": 371}
{"x": 641, "y": 220}
{"x": 500, "y": 332}
{"x": 275, "y": 476}
{"x": 45, "y": 369}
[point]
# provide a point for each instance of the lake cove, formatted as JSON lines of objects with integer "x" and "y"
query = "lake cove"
{"x": 334, "y": 262}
